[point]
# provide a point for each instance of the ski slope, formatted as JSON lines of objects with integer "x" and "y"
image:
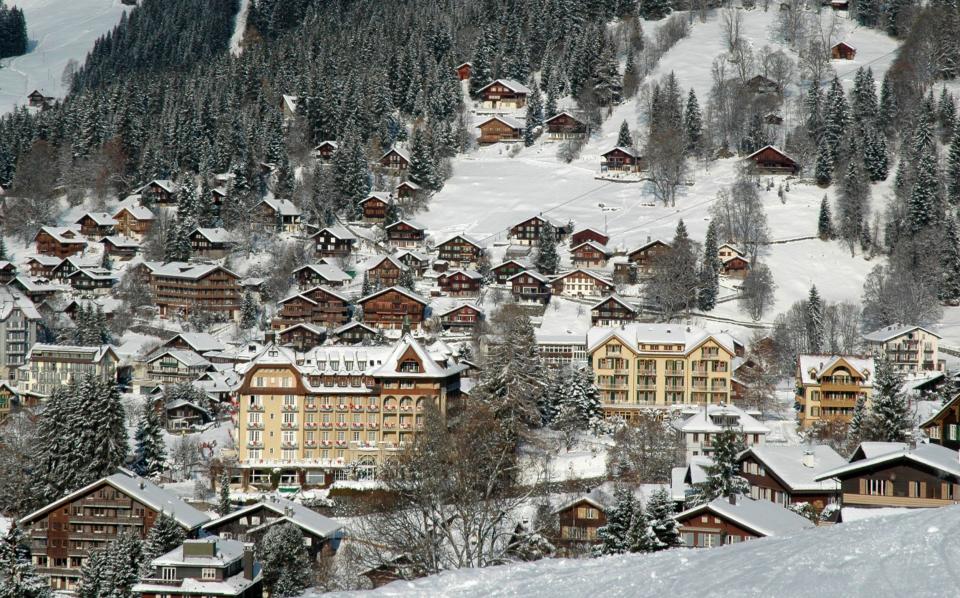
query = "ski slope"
{"x": 59, "y": 30}
{"x": 913, "y": 554}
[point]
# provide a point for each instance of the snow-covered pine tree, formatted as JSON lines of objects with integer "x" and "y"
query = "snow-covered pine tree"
{"x": 889, "y": 107}
{"x": 836, "y": 121}
{"x": 813, "y": 103}
{"x": 547, "y": 259}
{"x": 824, "y": 222}
{"x": 640, "y": 537}
{"x": 924, "y": 207}
{"x": 18, "y": 577}
{"x": 660, "y": 513}
{"x": 286, "y": 565}
{"x": 624, "y": 138}
{"x": 249, "y": 311}
{"x": 100, "y": 420}
{"x": 950, "y": 259}
{"x": 553, "y": 96}
{"x": 875, "y": 154}
{"x": 165, "y": 535}
{"x": 946, "y": 114}
{"x": 3, "y": 249}
{"x": 723, "y": 475}
{"x": 93, "y": 583}
{"x": 709, "y": 271}
{"x": 150, "y": 452}
{"x": 534, "y": 104}
{"x": 853, "y": 203}
{"x": 224, "y": 504}
{"x": 407, "y": 280}
{"x": 631, "y": 77}
{"x": 423, "y": 167}
{"x": 824, "y": 167}
{"x": 614, "y": 536}
{"x": 585, "y": 397}
{"x": 351, "y": 172}
{"x": 815, "y": 321}
{"x": 693, "y": 124}
{"x": 953, "y": 168}
{"x": 890, "y": 414}
{"x": 863, "y": 98}
{"x": 857, "y": 420}
{"x": 607, "y": 81}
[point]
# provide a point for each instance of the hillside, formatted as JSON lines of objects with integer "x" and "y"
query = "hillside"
{"x": 898, "y": 555}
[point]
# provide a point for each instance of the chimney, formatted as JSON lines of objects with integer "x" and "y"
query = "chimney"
{"x": 248, "y": 562}
{"x": 732, "y": 498}
{"x": 807, "y": 459}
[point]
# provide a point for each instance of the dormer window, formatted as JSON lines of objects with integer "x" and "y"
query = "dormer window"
{"x": 410, "y": 367}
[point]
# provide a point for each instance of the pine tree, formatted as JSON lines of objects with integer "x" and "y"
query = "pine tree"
{"x": 607, "y": 81}
{"x": 815, "y": 322}
{"x": 953, "y": 168}
{"x": 824, "y": 167}
{"x": 950, "y": 258}
{"x": 165, "y": 535}
{"x": 615, "y": 535}
{"x": 547, "y": 259}
{"x": 888, "y": 105}
{"x": 641, "y": 537}
{"x": 924, "y": 207}
{"x": 624, "y": 138}
{"x": 835, "y": 123}
{"x": 693, "y": 124}
{"x": 875, "y": 154}
{"x": 864, "y": 108}
{"x": 249, "y": 311}
{"x": 890, "y": 413}
{"x": 824, "y": 222}
{"x": 351, "y": 172}
{"x": 423, "y": 167}
{"x": 723, "y": 475}
{"x": 631, "y": 77}
{"x": 946, "y": 113}
{"x": 3, "y": 249}
{"x": 150, "y": 453}
{"x": 665, "y": 528}
{"x": 286, "y": 565}
{"x": 853, "y": 203}
{"x": 18, "y": 577}
{"x": 858, "y": 419}
{"x": 709, "y": 271}
{"x": 224, "y": 506}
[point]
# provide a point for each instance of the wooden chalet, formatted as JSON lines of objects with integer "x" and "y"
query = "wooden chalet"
{"x": 323, "y": 273}
{"x": 280, "y": 215}
{"x": 395, "y": 159}
{"x": 503, "y": 94}
{"x": 579, "y": 519}
{"x": 640, "y": 261}
{"x": 464, "y": 70}
{"x": 761, "y": 85}
{"x": 588, "y": 234}
{"x": 218, "y": 195}
{"x": 612, "y": 311}
{"x": 211, "y": 243}
{"x": 302, "y": 336}
{"x": 773, "y": 119}
{"x": 160, "y": 192}
{"x": 62, "y": 271}
{"x": 895, "y": 475}
{"x": 43, "y": 266}
{"x": 461, "y": 318}
{"x": 7, "y": 272}
{"x": 734, "y": 519}
{"x": 59, "y": 241}
{"x": 9, "y": 399}
{"x": 460, "y": 283}
{"x": 319, "y": 305}
{"x": 288, "y": 106}
{"x": 528, "y": 231}
{"x": 943, "y": 427}
{"x": 334, "y": 241}
{"x": 96, "y": 225}
{"x": 770, "y": 160}
{"x": 842, "y": 51}
{"x": 405, "y": 234}
{"x": 384, "y": 271}
{"x": 182, "y": 415}
{"x": 393, "y": 307}
{"x": 621, "y": 159}
{"x": 497, "y": 129}
{"x": 581, "y": 283}
{"x": 92, "y": 281}
{"x": 785, "y": 474}
{"x": 590, "y": 254}
{"x": 121, "y": 248}
{"x": 413, "y": 260}
{"x": 133, "y": 221}
{"x": 735, "y": 267}
{"x": 374, "y": 206}
{"x": 324, "y": 152}
{"x": 198, "y": 342}
{"x": 503, "y": 271}
{"x": 460, "y": 250}
{"x": 564, "y": 126}
{"x": 530, "y": 286}
{"x": 36, "y": 99}
{"x": 180, "y": 288}
{"x": 407, "y": 191}
{"x": 354, "y": 333}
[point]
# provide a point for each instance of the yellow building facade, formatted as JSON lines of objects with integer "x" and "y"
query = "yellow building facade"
{"x": 828, "y": 387}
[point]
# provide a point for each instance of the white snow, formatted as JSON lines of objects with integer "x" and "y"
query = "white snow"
{"x": 59, "y": 30}
{"x": 909, "y": 555}
{"x": 239, "y": 28}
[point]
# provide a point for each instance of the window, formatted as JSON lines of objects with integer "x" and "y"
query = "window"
{"x": 708, "y": 540}
{"x": 877, "y": 487}
{"x": 208, "y": 573}
{"x": 168, "y": 573}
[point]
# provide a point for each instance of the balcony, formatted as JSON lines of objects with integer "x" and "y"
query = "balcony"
{"x": 255, "y": 408}
{"x": 288, "y": 408}
{"x": 253, "y": 444}
{"x": 254, "y": 425}
{"x": 310, "y": 406}
{"x": 289, "y": 426}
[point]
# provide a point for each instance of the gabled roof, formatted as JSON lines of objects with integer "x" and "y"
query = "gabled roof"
{"x": 635, "y": 334}
{"x": 405, "y": 252}
{"x": 786, "y": 463}
{"x": 513, "y": 123}
{"x": 564, "y": 113}
{"x": 59, "y": 232}
{"x": 889, "y": 332}
{"x": 702, "y": 421}
{"x": 514, "y": 86}
{"x": 937, "y": 457}
{"x": 930, "y": 420}
{"x": 338, "y": 231}
{"x": 772, "y": 148}
{"x": 820, "y": 364}
{"x": 472, "y": 274}
{"x": 136, "y": 210}
{"x": 201, "y": 342}
{"x": 99, "y": 218}
{"x": 396, "y": 150}
{"x": 12, "y": 298}
{"x": 121, "y": 241}
{"x": 401, "y": 290}
{"x": 326, "y": 271}
{"x": 593, "y": 244}
{"x": 378, "y": 195}
{"x": 465, "y": 237}
{"x": 532, "y": 273}
{"x": 627, "y": 150}
{"x": 295, "y": 513}
{"x": 284, "y": 207}
{"x": 616, "y": 298}
{"x": 351, "y": 325}
{"x": 763, "y": 517}
{"x": 329, "y": 142}
{"x": 409, "y": 223}
{"x": 318, "y": 330}
{"x": 185, "y": 270}
{"x": 186, "y": 357}
{"x": 141, "y": 489}
{"x": 377, "y": 260}
{"x": 214, "y": 235}
{"x": 165, "y": 184}
{"x": 520, "y": 263}
{"x": 647, "y": 245}
{"x": 409, "y": 184}
{"x": 46, "y": 260}
{"x": 324, "y": 289}
{"x": 590, "y": 273}
{"x": 431, "y": 369}
{"x": 460, "y": 306}
{"x": 93, "y": 354}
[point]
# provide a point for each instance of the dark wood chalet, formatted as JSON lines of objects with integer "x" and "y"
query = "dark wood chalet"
{"x": 36, "y": 99}
{"x": 503, "y": 271}
{"x": 319, "y": 305}
{"x": 392, "y": 307}
{"x": 464, "y": 71}
{"x": 407, "y": 191}
{"x": 460, "y": 283}
{"x": 730, "y": 520}
{"x": 160, "y": 192}
{"x": 579, "y": 521}
{"x": 211, "y": 243}
{"x": 621, "y": 159}
{"x": 925, "y": 476}
{"x": 943, "y": 427}
{"x": 374, "y": 207}
{"x": 7, "y": 272}
{"x": 324, "y": 152}
{"x": 323, "y": 273}
{"x": 500, "y": 128}
{"x": 612, "y": 311}
{"x": 385, "y": 271}
{"x": 503, "y": 94}
{"x": 786, "y": 474}
{"x": 121, "y": 248}
{"x": 96, "y": 225}
{"x": 180, "y": 288}
{"x": 770, "y": 160}
{"x": 334, "y": 241}
{"x": 218, "y": 195}
{"x": 565, "y": 126}
{"x": 761, "y": 85}
{"x": 589, "y": 254}
{"x": 63, "y": 534}
{"x": 354, "y": 333}
{"x": 405, "y": 234}
{"x": 460, "y": 250}
{"x": 62, "y": 271}
{"x": 528, "y": 231}
{"x": 643, "y": 257}
{"x": 92, "y": 281}
{"x": 43, "y": 266}
{"x": 735, "y": 267}
{"x": 462, "y": 318}
{"x": 395, "y": 159}
{"x": 588, "y": 234}
{"x": 843, "y": 51}
{"x": 530, "y": 286}
{"x": 181, "y": 415}
{"x": 581, "y": 283}
{"x": 413, "y": 260}
{"x": 302, "y": 336}
{"x": 133, "y": 221}
{"x": 59, "y": 241}
{"x": 280, "y": 215}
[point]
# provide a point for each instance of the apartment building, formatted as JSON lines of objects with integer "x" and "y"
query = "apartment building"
{"x": 828, "y": 386}
{"x": 910, "y": 349}
{"x": 700, "y": 430}
{"x": 48, "y": 367}
{"x": 660, "y": 365}
{"x": 181, "y": 288}
{"x": 209, "y": 568}
{"x": 335, "y": 411}
{"x": 18, "y": 330}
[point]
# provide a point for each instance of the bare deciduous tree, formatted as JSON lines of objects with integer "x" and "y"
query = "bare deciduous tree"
{"x": 667, "y": 162}
{"x": 740, "y": 216}
{"x": 645, "y": 449}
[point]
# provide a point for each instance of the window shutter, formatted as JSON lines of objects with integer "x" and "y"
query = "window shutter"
{"x": 888, "y": 488}
{"x": 863, "y": 486}
{"x": 944, "y": 490}
{"x": 923, "y": 489}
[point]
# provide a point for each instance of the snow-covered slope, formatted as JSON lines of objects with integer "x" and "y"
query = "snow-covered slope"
{"x": 914, "y": 554}
{"x": 59, "y": 30}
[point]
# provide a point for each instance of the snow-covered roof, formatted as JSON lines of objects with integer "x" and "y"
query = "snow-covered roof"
{"x": 511, "y": 122}
{"x": 329, "y": 142}
{"x": 938, "y": 457}
{"x": 511, "y": 84}
{"x": 564, "y": 113}
{"x": 627, "y": 150}
{"x": 201, "y": 342}
{"x": 454, "y": 307}
{"x": 350, "y": 326}
{"x": 188, "y": 358}
{"x": 593, "y": 244}
{"x": 318, "y": 330}
{"x": 376, "y": 260}
{"x": 531, "y": 273}
{"x": 141, "y": 489}
{"x": 46, "y": 260}
{"x": 636, "y": 334}
{"x": 797, "y": 466}
{"x": 616, "y": 298}
{"x": 214, "y": 235}
{"x": 472, "y": 274}
{"x": 713, "y": 419}
{"x": 649, "y": 243}
{"x": 284, "y": 207}
{"x": 383, "y": 196}
{"x": 777, "y": 150}
{"x": 64, "y": 234}
{"x": 396, "y": 150}
{"x": 463, "y": 236}
{"x": 871, "y": 449}
{"x": 91, "y": 354}
{"x": 185, "y": 270}
{"x": 401, "y": 290}
{"x": 136, "y": 210}
{"x": 290, "y": 102}
{"x": 339, "y": 295}
{"x": 408, "y": 222}
{"x": 338, "y": 231}
{"x": 99, "y": 218}
{"x": 121, "y": 241}
{"x": 408, "y": 183}
{"x": 890, "y": 332}
{"x": 295, "y": 513}
{"x": 818, "y": 365}
{"x": 764, "y": 517}
{"x": 326, "y": 271}
{"x": 405, "y": 252}
{"x": 431, "y": 369}
{"x": 165, "y": 184}
{"x": 12, "y": 298}
{"x": 591, "y": 273}
{"x": 847, "y": 44}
